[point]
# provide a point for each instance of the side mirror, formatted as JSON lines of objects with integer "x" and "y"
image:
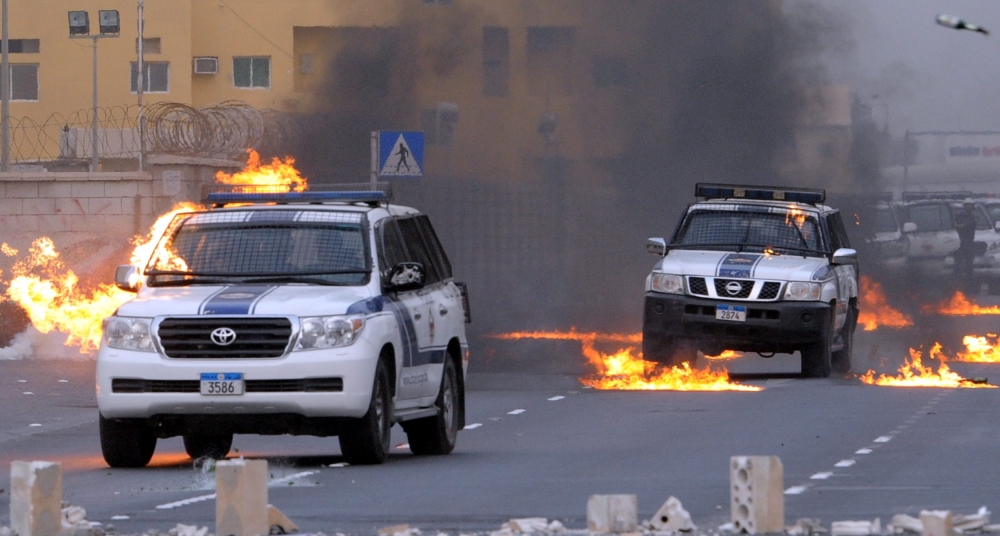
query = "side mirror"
{"x": 845, "y": 256}
{"x": 909, "y": 227}
{"x": 406, "y": 276}
{"x": 657, "y": 246}
{"x": 127, "y": 278}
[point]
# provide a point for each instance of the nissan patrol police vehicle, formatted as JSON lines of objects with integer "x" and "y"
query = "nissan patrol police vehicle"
{"x": 326, "y": 313}
{"x": 755, "y": 269}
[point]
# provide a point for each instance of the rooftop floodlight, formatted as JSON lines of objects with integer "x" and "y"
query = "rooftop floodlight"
{"x": 79, "y": 23}
{"x": 110, "y": 22}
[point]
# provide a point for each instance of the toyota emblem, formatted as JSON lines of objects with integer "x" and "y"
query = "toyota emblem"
{"x": 223, "y": 336}
{"x": 732, "y": 287}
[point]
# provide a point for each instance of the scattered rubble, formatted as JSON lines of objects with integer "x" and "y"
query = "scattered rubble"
{"x": 398, "y": 530}
{"x": 188, "y": 530}
{"x": 671, "y": 517}
{"x": 278, "y": 521}
{"x": 856, "y": 528}
{"x": 805, "y": 526}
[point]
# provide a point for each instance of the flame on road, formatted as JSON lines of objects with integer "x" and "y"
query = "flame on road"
{"x": 913, "y": 373}
{"x": 980, "y": 349}
{"x": 726, "y": 355}
{"x": 960, "y": 305}
{"x": 625, "y": 371}
{"x": 49, "y": 291}
{"x": 875, "y": 311}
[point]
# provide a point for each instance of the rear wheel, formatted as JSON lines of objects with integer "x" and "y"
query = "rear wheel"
{"x": 212, "y": 446}
{"x": 841, "y": 359}
{"x": 437, "y": 435}
{"x": 365, "y": 441}
{"x": 127, "y": 442}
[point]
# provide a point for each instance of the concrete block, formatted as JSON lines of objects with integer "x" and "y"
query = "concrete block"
{"x": 104, "y": 205}
{"x": 52, "y": 224}
{"x": 36, "y": 498}
{"x": 121, "y": 189}
{"x": 241, "y": 498}
{"x": 757, "y": 491}
{"x": 276, "y": 518}
{"x": 937, "y": 523}
{"x": 22, "y": 189}
{"x": 128, "y": 205}
{"x": 612, "y": 513}
{"x": 145, "y": 188}
{"x": 528, "y": 525}
{"x": 71, "y": 205}
{"x": 88, "y": 189}
{"x": 55, "y": 189}
{"x": 394, "y": 530}
{"x": 11, "y": 206}
{"x": 38, "y": 205}
{"x": 856, "y": 528}
{"x": 672, "y": 517}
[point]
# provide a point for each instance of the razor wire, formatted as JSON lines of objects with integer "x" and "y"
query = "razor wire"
{"x": 224, "y": 130}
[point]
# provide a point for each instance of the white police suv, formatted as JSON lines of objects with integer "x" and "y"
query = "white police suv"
{"x": 326, "y": 313}
{"x": 756, "y": 269}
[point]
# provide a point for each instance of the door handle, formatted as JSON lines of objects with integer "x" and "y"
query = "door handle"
{"x": 417, "y": 316}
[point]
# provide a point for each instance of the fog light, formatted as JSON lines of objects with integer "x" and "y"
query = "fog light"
{"x": 659, "y": 308}
{"x": 807, "y": 318}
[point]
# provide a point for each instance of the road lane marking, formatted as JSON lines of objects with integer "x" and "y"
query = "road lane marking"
{"x": 863, "y": 451}
{"x": 185, "y": 502}
{"x": 796, "y": 490}
{"x": 844, "y": 463}
{"x": 515, "y": 412}
{"x": 555, "y": 398}
{"x": 821, "y": 476}
{"x": 119, "y": 518}
{"x": 472, "y": 426}
{"x": 883, "y": 439}
{"x": 295, "y": 476}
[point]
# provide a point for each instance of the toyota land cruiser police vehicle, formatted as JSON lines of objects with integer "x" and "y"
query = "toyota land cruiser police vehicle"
{"x": 307, "y": 313}
{"x": 755, "y": 269}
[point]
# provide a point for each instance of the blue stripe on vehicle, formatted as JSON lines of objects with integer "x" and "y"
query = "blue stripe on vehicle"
{"x": 235, "y": 300}
{"x": 737, "y": 265}
{"x": 407, "y": 331}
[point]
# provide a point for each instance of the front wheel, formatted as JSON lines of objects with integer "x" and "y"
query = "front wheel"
{"x": 667, "y": 351}
{"x": 841, "y": 359}
{"x": 817, "y": 357}
{"x": 127, "y": 442}
{"x": 365, "y": 441}
{"x": 437, "y": 435}
{"x": 213, "y": 446}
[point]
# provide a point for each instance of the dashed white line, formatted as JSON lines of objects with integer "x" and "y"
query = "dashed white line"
{"x": 844, "y": 463}
{"x": 34, "y": 424}
{"x": 296, "y": 476}
{"x": 796, "y": 490}
{"x": 863, "y": 451}
{"x": 119, "y": 518}
{"x": 883, "y": 439}
{"x": 472, "y": 426}
{"x": 185, "y": 502}
{"x": 555, "y": 398}
{"x": 515, "y": 412}
{"x": 821, "y": 476}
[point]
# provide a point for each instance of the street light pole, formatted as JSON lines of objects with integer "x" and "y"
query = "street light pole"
{"x": 4, "y": 93}
{"x": 93, "y": 126}
{"x": 140, "y": 86}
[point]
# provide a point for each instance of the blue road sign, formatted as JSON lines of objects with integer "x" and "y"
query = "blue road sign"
{"x": 401, "y": 154}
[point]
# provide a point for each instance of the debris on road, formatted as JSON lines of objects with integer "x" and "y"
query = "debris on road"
{"x": 671, "y": 517}
{"x": 972, "y": 522}
{"x": 398, "y": 530}
{"x": 806, "y": 526}
{"x": 757, "y": 494}
{"x": 612, "y": 513}
{"x": 937, "y": 522}
{"x": 278, "y": 521}
{"x": 856, "y": 528}
{"x": 187, "y": 530}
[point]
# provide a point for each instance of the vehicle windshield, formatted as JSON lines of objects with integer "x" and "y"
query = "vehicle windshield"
{"x": 885, "y": 221}
{"x": 792, "y": 232}
{"x": 310, "y": 247}
{"x": 930, "y": 218}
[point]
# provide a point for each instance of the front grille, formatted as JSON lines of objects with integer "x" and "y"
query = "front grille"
{"x": 769, "y": 291}
{"x": 698, "y": 286}
{"x": 745, "y": 288}
{"x": 190, "y": 338}
{"x": 307, "y": 385}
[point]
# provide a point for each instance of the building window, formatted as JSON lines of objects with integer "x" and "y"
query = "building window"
{"x": 150, "y": 45}
{"x": 306, "y": 63}
{"x": 252, "y": 72}
{"x": 24, "y": 81}
{"x": 23, "y": 46}
{"x": 439, "y": 124}
{"x": 155, "y": 79}
{"x": 550, "y": 55}
{"x": 610, "y": 72}
{"x": 496, "y": 61}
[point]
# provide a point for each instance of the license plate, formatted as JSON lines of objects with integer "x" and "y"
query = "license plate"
{"x": 733, "y": 313}
{"x": 221, "y": 383}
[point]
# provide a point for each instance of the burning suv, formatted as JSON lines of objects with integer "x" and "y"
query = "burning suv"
{"x": 756, "y": 269}
{"x": 307, "y": 313}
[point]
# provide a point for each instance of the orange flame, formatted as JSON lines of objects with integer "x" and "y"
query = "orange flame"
{"x": 914, "y": 374}
{"x": 278, "y": 176}
{"x": 960, "y": 305}
{"x": 624, "y": 371}
{"x": 875, "y": 310}
{"x": 48, "y": 291}
{"x": 980, "y": 349}
{"x": 726, "y": 355}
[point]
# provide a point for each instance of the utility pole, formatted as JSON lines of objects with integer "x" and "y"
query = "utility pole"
{"x": 94, "y": 161}
{"x": 140, "y": 87}
{"x": 4, "y": 92}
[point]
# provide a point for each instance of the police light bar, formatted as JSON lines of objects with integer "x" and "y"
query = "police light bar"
{"x": 947, "y": 195}
{"x": 371, "y": 193}
{"x": 761, "y": 193}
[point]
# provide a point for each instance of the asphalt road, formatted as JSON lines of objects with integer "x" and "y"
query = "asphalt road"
{"x": 545, "y": 444}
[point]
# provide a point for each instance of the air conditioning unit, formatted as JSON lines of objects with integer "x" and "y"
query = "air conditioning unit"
{"x": 206, "y": 65}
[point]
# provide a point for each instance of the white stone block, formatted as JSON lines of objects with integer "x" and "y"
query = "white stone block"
{"x": 394, "y": 530}
{"x": 241, "y": 498}
{"x": 36, "y": 498}
{"x": 22, "y": 189}
{"x": 612, "y": 513}
{"x": 936, "y": 523}
{"x": 757, "y": 491}
{"x": 856, "y": 528}
{"x": 672, "y": 517}
{"x": 277, "y": 518}
{"x": 88, "y": 189}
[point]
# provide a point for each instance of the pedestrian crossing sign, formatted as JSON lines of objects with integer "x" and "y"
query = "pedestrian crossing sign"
{"x": 401, "y": 154}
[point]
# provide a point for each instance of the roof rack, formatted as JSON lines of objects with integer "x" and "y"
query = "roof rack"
{"x": 219, "y": 195}
{"x": 763, "y": 193}
{"x": 951, "y": 195}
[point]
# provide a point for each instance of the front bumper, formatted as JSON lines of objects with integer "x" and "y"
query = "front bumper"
{"x": 780, "y": 326}
{"x": 354, "y": 364}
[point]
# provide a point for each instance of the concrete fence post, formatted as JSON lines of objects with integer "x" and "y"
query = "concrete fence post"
{"x": 757, "y": 491}
{"x": 36, "y": 498}
{"x": 241, "y": 498}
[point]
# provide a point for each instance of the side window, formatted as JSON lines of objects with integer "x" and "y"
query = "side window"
{"x": 838, "y": 234}
{"x": 390, "y": 246}
{"x": 434, "y": 247}
{"x": 418, "y": 251}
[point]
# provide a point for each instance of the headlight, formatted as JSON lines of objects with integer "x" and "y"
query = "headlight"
{"x": 127, "y": 333}
{"x": 667, "y": 283}
{"x": 329, "y": 331}
{"x": 800, "y": 291}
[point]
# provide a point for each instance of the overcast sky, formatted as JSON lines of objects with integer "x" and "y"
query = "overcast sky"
{"x": 927, "y": 77}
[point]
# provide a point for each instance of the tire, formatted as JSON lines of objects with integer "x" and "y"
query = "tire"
{"x": 436, "y": 435}
{"x": 127, "y": 443}
{"x": 670, "y": 353}
{"x": 840, "y": 360}
{"x": 365, "y": 441}
{"x": 212, "y": 446}
{"x": 817, "y": 357}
